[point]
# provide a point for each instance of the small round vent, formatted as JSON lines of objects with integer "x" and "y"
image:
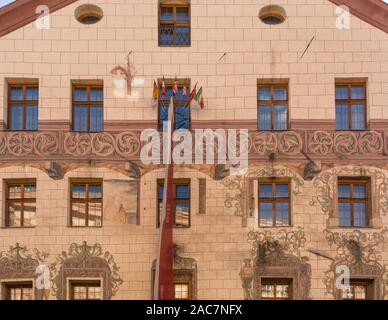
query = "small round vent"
{"x": 272, "y": 14}
{"x": 88, "y": 14}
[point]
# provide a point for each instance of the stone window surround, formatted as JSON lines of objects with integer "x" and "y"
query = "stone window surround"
{"x": 5, "y": 282}
{"x": 80, "y": 279}
{"x": 375, "y": 220}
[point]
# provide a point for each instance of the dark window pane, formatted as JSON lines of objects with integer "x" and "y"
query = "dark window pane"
{"x": 182, "y": 14}
{"x": 342, "y": 117}
{"x": 166, "y": 13}
{"x": 264, "y": 118}
{"x": 182, "y": 118}
{"x": 79, "y": 191}
{"x": 280, "y": 117}
{"x": 17, "y": 93}
{"x": 280, "y": 94}
{"x": 360, "y": 215}
{"x": 32, "y": 93}
{"x": 17, "y": 118}
{"x": 358, "y": 117}
{"x": 264, "y": 94}
{"x": 32, "y": 118}
{"x": 163, "y": 117}
{"x": 80, "y": 119}
{"x": 266, "y": 214}
{"x": 265, "y": 190}
{"x": 182, "y": 35}
{"x": 96, "y": 94}
{"x": 282, "y": 214}
{"x": 358, "y": 92}
{"x": 359, "y": 191}
{"x": 344, "y": 214}
{"x": 161, "y": 190}
{"x": 182, "y": 192}
{"x": 282, "y": 190}
{"x": 96, "y": 118}
{"x": 166, "y": 35}
{"x": 344, "y": 191}
{"x": 341, "y": 93}
{"x": 80, "y": 94}
{"x": 182, "y": 214}
{"x": 95, "y": 191}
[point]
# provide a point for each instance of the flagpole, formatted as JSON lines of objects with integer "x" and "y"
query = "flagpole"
{"x": 163, "y": 282}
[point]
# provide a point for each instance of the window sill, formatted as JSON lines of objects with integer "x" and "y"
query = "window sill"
{"x": 13, "y": 228}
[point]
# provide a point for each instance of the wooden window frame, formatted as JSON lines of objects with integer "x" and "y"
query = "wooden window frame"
{"x": 86, "y": 104}
{"x": 169, "y": 83}
{"x": 22, "y": 183}
{"x": 277, "y": 282}
{"x": 274, "y": 200}
{"x": 87, "y": 284}
{"x": 23, "y": 103}
{"x": 87, "y": 200}
{"x": 367, "y": 283}
{"x": 176, "y": 182}
{"x": 272, "y": 84}
{"x": 174, "y": 4}
{"x": 351, "y": 200}
{"x": 13, "y": 285}
{"x": 349, "y": 102}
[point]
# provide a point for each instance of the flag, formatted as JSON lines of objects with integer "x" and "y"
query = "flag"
{"x": 193, "y": 93}
{"x": 184, "y": 90}
{"x": 175, "y": 87}
{"x": 163, "y": 88}
{"x": 198, "y": 101}
{"x": 155, "y": 95}
{"x": 163, "y": 284}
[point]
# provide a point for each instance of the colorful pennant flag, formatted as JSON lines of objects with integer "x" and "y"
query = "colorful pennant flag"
{"x": 175, "y": 87}
{"x": 184, "y": 90}
{"x": 163, "y": 88}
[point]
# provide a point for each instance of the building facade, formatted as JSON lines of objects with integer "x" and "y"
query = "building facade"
{"x": 80, "y": 210}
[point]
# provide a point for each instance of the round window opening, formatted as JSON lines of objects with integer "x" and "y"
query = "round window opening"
{"x": 88, "y": 14}
{"x": 272, "y": 15}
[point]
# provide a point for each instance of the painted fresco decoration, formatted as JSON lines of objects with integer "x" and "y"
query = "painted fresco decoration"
{"x": 19, "y": 263}
{"x": 123, "y": 78}
{"x": 276, "y": 255}
{"x": 325, "y": 185}
{"x": 127, "y": 144}
{"x": 357, "y": 250}
{"x": 85, "y": 261}
{"x": 239, "y": 194}
{"x": 121, "y": 202}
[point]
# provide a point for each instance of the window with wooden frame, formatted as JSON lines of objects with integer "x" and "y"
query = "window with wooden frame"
{"x": 358, "y": 289}
{"x": 20, "y": 203}
{"x": 182, "y": 109}
{"x": 276, "y": 289}
{"x": 174, "y": 23}
{"x": 86, "y": 202}
{"x": 272, "y": 105}
{"x": 182, "y": 290}
{"x": 23, "y": 102}
{"x": 353, "y": 202}
{"x": 88, "y": 107}
{"x": 181, "y": 203}
{"x": 85, "y": 290}
{"x": 274, "y": 202}
{"x": 19, "y": 291}
{"x": 350, "y": 105}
